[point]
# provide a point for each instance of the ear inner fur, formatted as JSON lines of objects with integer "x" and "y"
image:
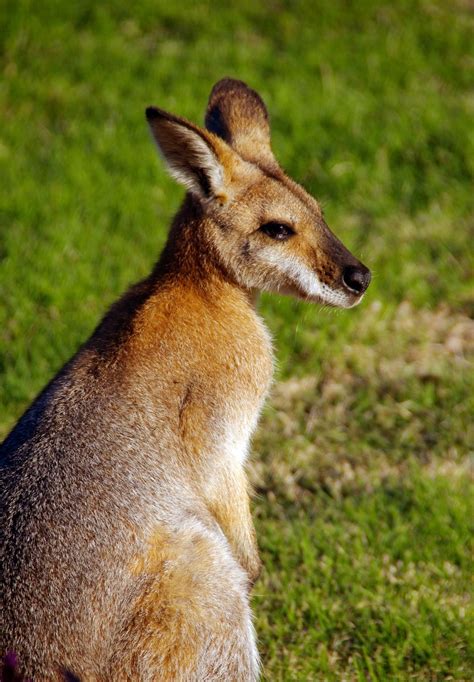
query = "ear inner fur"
{"x": 189, "y": 152}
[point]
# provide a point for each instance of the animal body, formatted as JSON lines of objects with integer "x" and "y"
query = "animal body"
{"x": 127, "y": 545}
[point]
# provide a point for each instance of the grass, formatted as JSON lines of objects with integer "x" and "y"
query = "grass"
{"x": 368, "y": 586}
{"x": 363, "y": 504}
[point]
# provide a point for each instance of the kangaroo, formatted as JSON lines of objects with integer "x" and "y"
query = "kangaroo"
{"x": 127, "y": 545}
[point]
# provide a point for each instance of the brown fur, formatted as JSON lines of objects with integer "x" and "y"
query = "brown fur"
{"x": 127, "y": 546}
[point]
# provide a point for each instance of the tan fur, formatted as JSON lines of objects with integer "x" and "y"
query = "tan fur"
{"x": 127, "y": 545}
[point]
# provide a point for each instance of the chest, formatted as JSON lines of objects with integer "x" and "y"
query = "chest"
{"x": 227, "y": 392}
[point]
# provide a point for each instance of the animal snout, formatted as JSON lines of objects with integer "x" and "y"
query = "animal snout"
{"x": 356, "y": 278}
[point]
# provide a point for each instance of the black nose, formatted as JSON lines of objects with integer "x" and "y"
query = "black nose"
{"x": 356, "y": 278}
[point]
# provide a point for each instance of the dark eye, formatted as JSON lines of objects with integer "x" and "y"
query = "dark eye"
{"x": 276, "y": 230}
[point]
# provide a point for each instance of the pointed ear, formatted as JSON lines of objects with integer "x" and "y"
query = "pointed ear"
{"x": 190, "y": 153}
{"x": 238, "y": 115}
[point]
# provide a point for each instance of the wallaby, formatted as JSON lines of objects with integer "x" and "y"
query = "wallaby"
{"x": 127, "y": 545}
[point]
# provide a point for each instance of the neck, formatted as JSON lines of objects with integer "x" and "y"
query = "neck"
{"x": 189, "y": 255}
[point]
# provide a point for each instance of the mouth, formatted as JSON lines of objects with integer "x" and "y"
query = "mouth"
{"x": 355, "y": 302}
{"x": 323, "y": 294}
{"x": 335, "y": 299}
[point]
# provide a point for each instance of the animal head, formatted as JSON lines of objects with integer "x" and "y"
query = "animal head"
{"x": 268, "y": 232}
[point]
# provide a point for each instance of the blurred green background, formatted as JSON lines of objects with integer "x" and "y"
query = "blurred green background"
{"x": 363, "y": 503}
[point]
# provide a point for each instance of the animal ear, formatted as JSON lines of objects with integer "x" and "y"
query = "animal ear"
{"x": 238, "y": 115}
{"x": 190, "y": 153}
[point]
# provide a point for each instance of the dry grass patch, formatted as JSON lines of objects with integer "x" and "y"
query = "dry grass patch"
{"x": 399, "y": 391}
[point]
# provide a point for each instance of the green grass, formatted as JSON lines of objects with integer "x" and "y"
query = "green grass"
{"x": 375, "y": 586}
{"x": 361, "y": 459}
